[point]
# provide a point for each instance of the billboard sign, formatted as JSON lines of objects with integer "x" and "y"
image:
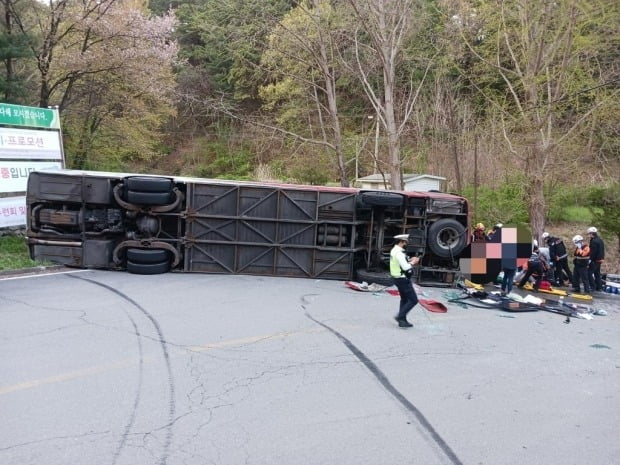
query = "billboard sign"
{"x": 14, "y": 174}
{"x": 17, "y": 115}
{"x": 30, "y": 139}
{"x": 12, "y": 211}
{"x": 24, "y": 144}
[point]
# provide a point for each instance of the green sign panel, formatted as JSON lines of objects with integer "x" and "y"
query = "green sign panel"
{"x": 19, "y": 115}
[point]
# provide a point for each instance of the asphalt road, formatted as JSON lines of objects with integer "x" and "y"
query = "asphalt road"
{"x": 112, "y": 368}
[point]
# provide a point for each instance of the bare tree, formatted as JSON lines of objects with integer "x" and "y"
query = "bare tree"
{"x": 386, "y": 25}
{"x": 538, "y": 50}
{"x": 303, "y": 50}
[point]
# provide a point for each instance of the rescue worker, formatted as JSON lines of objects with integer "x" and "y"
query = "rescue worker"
{"x": 494, "y": 230}
{"x": 559, "y": 258}
{"x": 401, "y": 270}
{"x": 597, "y": 256}
{"x": 535, "y": 266}
{"x": 479, "y": 235}
{"x": 581, "y": 261}
{"x": 543, "y": 251}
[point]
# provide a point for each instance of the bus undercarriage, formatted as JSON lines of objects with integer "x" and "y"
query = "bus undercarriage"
{"x": 154, "y": 224}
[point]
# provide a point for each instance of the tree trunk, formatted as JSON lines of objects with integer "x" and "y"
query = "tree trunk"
{"x": 535, "y": 191}
{"x": 454, "y": 143}
{"x": 386, "y": 22}
{"x": 332, "y": 103}
{"x": 8, "y": 61}
{"x": 391, "y": 127}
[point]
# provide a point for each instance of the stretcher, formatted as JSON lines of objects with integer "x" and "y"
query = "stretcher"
{"x": 558, "y": 292}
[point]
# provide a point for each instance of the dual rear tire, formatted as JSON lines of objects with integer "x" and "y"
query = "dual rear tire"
{"x": 148, "y": 261}
{"x": 148, "y": 191}
{"x": 142, "y": 190}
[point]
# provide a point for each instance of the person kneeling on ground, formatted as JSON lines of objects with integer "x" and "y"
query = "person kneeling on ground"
{"x": 401, "y": 271}
{"x": 535, "y": 266}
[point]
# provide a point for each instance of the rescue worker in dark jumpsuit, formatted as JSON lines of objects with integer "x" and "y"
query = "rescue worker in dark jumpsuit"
{"x": 559, "y": 257}
{"x": 401, "y": 270}
{"x": 597, "y": 256}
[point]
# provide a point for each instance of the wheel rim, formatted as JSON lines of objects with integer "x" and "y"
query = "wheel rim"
{"x": 448, "y": 238}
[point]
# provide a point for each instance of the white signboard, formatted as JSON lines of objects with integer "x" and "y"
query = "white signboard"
{"x": 27, "y": 144}
{"x": 12, "y": 211}
{"x": 14, "y": 174}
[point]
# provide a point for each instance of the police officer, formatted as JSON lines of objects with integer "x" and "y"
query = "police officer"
{"x": 401, "y": 270}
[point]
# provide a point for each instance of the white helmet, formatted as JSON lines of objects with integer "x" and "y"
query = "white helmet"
{"x": 577, "y": 238}
{"x": 592, "y": 229}
{"x": 545, "y": 235}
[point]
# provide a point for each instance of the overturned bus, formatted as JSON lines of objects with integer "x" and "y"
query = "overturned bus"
{"x": 148, "y": 224}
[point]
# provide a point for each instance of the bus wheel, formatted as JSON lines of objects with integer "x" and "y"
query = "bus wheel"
{"x": 142, "y": 190}
{"x": 382, "y": 199}
{"x": 446, "y": 238}
{"x": 148, "y": 261}
{"x": 382, "y": 278}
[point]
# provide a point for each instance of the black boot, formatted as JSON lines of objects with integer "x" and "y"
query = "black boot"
{"x": 403, "y": 323}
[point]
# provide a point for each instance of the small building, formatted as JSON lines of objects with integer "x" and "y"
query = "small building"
{"x": 411, "y": 182}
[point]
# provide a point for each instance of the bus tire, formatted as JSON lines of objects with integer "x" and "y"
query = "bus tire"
{"x": 446, "y": 238}
{"x": 382, "y": 278}
{"x": 148, "y": 268}
{"x": 382, "y": 199}
{"x": 142, "y": 190}
{"x": 148, "y": 198}
{"x": 147, "y": 184}
{"x": 147, "y": 261}
{"x": 146, "y": 256}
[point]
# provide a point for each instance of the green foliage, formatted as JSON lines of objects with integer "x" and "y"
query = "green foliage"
{"x": 314, "y": 174}
{"x": 226, "y": 38}
{"x": 116, "y": 143}
{"x": 14, "y": 48}
{"x": 569, "y": 204}
{"x": 504, "y": 204}
{"x": 216, "y": 159}
{"x": 14, "y": 253}
{"x": 605, "y": 204}
{"x": 118, "y": 109}
{"x": 571, "y": 214}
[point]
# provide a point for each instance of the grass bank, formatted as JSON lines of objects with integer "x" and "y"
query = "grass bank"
{"x": 14, "y": 253}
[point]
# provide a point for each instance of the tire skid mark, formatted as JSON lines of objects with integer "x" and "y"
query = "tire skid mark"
{"x": 163, "y": 344}
{"x": 136, "y": 401}
{"x": 389, "y": 387}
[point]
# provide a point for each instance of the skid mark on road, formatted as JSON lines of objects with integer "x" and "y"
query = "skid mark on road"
{"x": 385, "y": 382}
{"x": 162, "y": 341}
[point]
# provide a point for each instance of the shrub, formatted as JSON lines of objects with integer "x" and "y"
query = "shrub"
{"x": 504, "y": 204}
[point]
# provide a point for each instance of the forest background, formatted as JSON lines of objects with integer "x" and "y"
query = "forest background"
{"x": 515, "y": 102}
